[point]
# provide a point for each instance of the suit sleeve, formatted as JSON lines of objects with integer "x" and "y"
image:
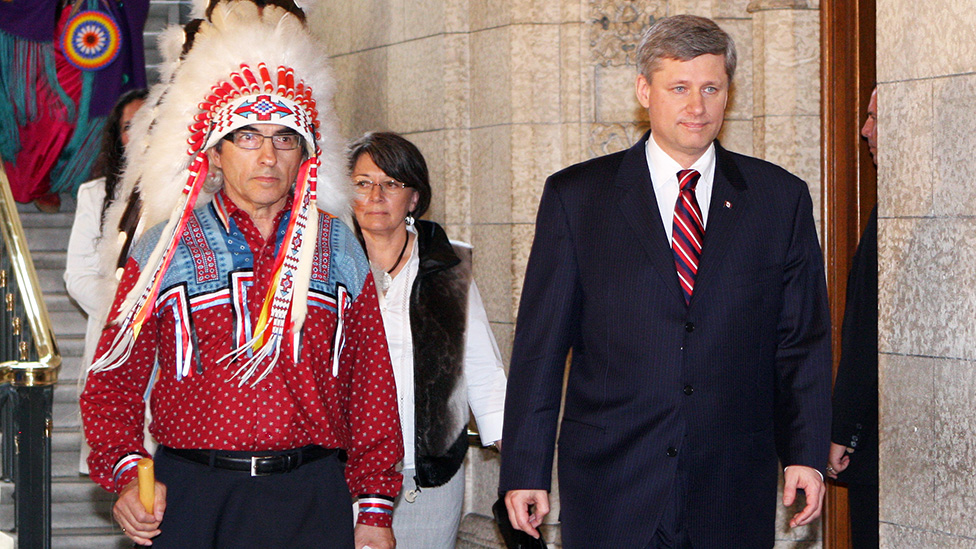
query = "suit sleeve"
{"x": 855, "y": 404}
{"x": 803, "y": 356}
{"x": 548, "y": 318}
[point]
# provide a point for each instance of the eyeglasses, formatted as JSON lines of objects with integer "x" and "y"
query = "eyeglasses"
{"x": 365, "y": 186}
{"x": 254, "y": 140}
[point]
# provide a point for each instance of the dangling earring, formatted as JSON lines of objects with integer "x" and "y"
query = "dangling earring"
{"x": 409, "y": 219}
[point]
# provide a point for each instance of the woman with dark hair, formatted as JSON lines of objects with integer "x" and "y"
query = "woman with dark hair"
{"x": 90, "y": 283}
{"x": 442, "y": 349}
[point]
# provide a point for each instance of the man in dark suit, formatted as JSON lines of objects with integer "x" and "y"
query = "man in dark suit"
{"x": 695, "y": 306}
{"x": 854, "y": 436}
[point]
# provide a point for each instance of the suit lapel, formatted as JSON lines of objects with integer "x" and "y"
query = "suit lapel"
{"x": 729, "y": 200}
{"x": 634, "y": 196}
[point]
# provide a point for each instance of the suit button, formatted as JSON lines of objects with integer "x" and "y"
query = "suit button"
{"x": 689, "y": 327}
{"x": 672, "y": 451}
{"x": 689, "y": 389}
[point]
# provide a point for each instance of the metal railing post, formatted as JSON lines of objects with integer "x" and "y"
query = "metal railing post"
{"x": 32, "y": 496}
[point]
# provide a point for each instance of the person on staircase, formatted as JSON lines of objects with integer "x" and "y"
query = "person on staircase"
{"x": 249, "y": 308}
{"x": 89, "y": 279}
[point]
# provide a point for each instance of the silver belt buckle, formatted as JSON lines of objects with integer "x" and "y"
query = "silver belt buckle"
{"x": 254, "y": 466}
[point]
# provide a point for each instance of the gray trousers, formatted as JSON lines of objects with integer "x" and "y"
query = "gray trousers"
{"x": 431, "y": 521}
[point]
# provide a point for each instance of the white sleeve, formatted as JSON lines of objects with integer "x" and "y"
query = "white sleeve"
{"x": 82, "y": 278}
{"x": 483, "y": 371}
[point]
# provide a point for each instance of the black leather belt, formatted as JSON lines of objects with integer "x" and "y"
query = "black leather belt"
{"x": 258, "y": 463}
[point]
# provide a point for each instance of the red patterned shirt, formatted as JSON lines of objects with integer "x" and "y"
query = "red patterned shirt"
{"x": 211, "y": 296}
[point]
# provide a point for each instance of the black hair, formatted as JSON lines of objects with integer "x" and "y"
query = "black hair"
{"x": 399, "y": 159}
{"x": 111, "y": 159}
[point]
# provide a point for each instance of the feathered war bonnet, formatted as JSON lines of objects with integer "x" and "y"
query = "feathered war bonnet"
{"x": 247, "y": 65}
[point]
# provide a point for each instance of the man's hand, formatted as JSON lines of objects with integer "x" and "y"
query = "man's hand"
{"x": 129, "y": 512}
{"x": 837, "y": 460}
{"x": 799, "y": 477}
{"x": 526, "y": 509}
{"x": 374, "y": 537}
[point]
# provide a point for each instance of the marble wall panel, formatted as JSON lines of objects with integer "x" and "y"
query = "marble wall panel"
{"x": 938, "y": 41}
{"x": 895, "y": 536}
{"x": 536, "y": 154}
{"x": 615, "y": 28}
{"x": 740, "y": 100}
{"x": 353, "y": 26}
{"x": 461, "y": 232}
{"x": 571, "y": 86}
{"x": 412, "y": 19}
{"x": 573, "y": 139}
{"x": 955, "y": 447}
{"x": 729, "y": 9}
{"x": 954, "y": 121}
{"x": 704, "y": 8}
{"x": 493, "y": 263}
{"x": 899, "y": 284}
{"x": 609, "y": 138}
{"x": 481, "y": 477}
{"x": 521, "y": 246}
{"x": 416, "y": 91}
{"x": 488, "y": 14}
{"x": 792, "y": 142}
{"x": 457, "y": 81}
{"x": 614, "y": 97}
{"x": 448, "y": 157}
{"x": 361, "y": 90}
{"x": 906, "y": 385}
{"x": 535, "y": 64}
{"x": 787, "y": 53}
{"x": 929, "y": 307}
{"x": 491, "y": 78}
{"x": 736, "y": 135}
{"x": 906, "y": 148}
{"x": 491, "y": 174}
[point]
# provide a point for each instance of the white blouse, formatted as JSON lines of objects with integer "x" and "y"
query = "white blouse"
{"x": 484, "y": 374}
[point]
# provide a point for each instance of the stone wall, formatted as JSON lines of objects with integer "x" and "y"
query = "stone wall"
{"x": 927, "y": 249}
{"x": 498, "y": 94}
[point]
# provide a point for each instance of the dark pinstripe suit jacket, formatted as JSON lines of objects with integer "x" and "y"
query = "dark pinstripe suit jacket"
{"x": 711, "y": 393}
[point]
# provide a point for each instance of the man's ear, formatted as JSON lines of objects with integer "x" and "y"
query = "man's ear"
{"x": 643, "y": 91}
{"x": 214, "y": 157}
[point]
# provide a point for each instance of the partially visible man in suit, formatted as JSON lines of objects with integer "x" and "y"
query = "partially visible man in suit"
{"x": 854, "y": 436}
{"x": 688, "y": 282}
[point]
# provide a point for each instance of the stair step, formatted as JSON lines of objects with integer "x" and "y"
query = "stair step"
{"x": 49, "y": 260}
{"x": 68, "y": 323}
{"x": 89, "y": 538}
{"x": 75, "y": 503}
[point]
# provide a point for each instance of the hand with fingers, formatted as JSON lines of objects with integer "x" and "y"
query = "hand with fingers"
{"x": 138, "y": 524}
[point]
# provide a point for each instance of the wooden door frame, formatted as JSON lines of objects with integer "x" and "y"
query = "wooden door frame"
{"x": 849, "y": 185}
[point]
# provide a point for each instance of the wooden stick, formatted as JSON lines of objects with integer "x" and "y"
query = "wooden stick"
{"x": 147, "y": 483}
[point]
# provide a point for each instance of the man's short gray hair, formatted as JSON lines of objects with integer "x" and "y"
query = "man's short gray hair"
{"x": 684, "y": 37}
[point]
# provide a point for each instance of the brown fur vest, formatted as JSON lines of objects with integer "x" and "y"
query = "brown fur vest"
{"x": 438, "y": 319}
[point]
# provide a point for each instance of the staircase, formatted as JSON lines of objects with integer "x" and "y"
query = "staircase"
{"x": 81, "y": 511}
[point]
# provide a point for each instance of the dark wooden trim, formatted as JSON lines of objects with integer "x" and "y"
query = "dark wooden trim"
{"x": 848, "y": 50}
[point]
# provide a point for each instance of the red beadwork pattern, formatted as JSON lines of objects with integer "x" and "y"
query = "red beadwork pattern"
{"x": 204, "y": 260}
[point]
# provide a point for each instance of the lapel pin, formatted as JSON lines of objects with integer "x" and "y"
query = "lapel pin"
{"x": 728, "y": 204}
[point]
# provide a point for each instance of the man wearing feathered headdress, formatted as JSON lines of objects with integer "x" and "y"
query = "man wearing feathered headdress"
{"x": 249, "y": 312}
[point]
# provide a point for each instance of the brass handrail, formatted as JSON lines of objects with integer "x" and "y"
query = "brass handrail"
{"x": 43, "y": 371}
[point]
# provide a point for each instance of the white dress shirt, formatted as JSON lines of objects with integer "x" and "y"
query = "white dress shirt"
{"x": 484, "y": 374}
{"x": 664, "y": 176}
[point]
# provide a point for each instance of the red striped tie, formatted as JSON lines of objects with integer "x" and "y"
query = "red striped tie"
{"x": 688, "y": 232}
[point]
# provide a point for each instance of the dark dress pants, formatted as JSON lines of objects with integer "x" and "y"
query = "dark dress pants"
{"x": 862, "y": 500}
{"x": 215, "y": 508}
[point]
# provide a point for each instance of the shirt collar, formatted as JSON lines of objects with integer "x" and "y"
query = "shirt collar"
{"x": 664, "y": 169}
{"x": 226, "y": 209}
